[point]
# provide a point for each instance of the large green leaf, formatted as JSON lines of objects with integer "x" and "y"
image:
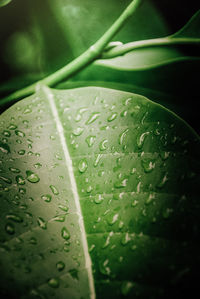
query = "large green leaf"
{"x": 102, "y": 174}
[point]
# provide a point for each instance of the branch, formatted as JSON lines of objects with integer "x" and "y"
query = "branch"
{"x": 165, "y": 41}
{"x": 80, "y": 62}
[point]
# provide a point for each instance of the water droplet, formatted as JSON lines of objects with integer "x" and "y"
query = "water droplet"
{"x": 22, "y": 190}
{"x": 120, "y": 183}
{"x": 90, "y": 140}
{"x": 112, "y": 218}
{"x": 134, "y": 203}
{"x": 98, "y": 199}
{"x": 6, "y": 133}
{"x": 91, "y": 248}
{"x": 19, "y": 133}
{"x": 78, "y": 131}
{"x": 21, "y": 152}
{"x": 112, "y": 117}
{"x": 148, "y": 165}
{"x": 126, "y": 287}
{"x": 164, "y": 179}
{"x": 27, "y": 111}
{"x": 32, "y": 177}
{"x": 6, "y": 180}
{"x": 141, "y": 139}
{"x": 150, "y": 198}
{"x": 33, "y": 241}
{"x": 63, "y": 208}
{"x": 82, "y": 166}
{"x": 53, "y": 283}
{"x": 107, "y": 241}
{"x": 42, "y": 223}
{"x": 54, "y": 189}
{"x": 12, "y": 127}
{"x": 10, "y": 229}
{"x": 60, "y": 266}
{"x": 37, "y": 165}
{"x": 98, "y": 157}
{"x": 92, "y": 118}
{"x": 20, "y": 180}
{"x": 15, "y": 218}
{"x": 46, "y": 197}
{"x": 122, "y": 136}
{"x": 103, "y": 145}
{"x": 4, "y": 148}
{"x": 14, "y": 170}
{"x": 164, "y": 155}
{"x": 103, "y": 267}
{"x": 65, "y": 233}
{"x": 59, "y": 218}
{"x": 125, "y": 239}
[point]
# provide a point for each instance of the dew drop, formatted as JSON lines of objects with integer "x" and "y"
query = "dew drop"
{"x": 103, "y": 145}
{"x": 46, "y": 197}
{"x": 10, "y": 229}
{"x": 107, "y": 241}
{"x": 21, "y": 152}
{"x": 42, "y": 223}
{"x": 82, "y": 166}
{"x": 112, "y": 218}
{"x": 32, "y": 177}
{"x": 94, "y": 116}
{"x": 20, "y": 180}
{"x": 98, "y": 199}
{"x": 59, "y": 218}
{"x": 120, "y": 183}
{"x": 33, "y": 241}
{"x": 98, "y": 157}
{"x": 60, "y": 266}
{"x": 6, "y": 133}
{"x": 148, "y": 165}
{"x": 14, "y": 170}
{"x": 122, "y": 136}
{"x": 141, "y": 139}
{"x": 12, "y": 127}
{"x": 150, "y": 198}
{"x": 125, "y": 239}
{"x": 103, "y": 267}
{"x": 37, "y": 165}
{"x": 6, "y": 180}
{"x": 19, "y": 133}
{"x": 74, "y": 273}
{"x": 15, "y": 218}
{"x": 112, "y": 117}
{"x": 163, "y": 181}
{"x": 90, "y": 140}
{"x": 65, "y": 234}
{"x": 78, "y": 131}
{"x": 54, "y": 189}
{"x": 53, "y": 283}
{"x": 4, "y": 148}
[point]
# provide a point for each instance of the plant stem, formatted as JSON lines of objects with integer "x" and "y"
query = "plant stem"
{"x": 83, "y": 60}
{"x": 165, "y": 41}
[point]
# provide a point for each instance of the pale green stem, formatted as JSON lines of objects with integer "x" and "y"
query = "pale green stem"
{"x": 83, "y": 60}
{"x": 165, "y": 41}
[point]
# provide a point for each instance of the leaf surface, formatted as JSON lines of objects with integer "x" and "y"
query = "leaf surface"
{"x": 101, "y": 174}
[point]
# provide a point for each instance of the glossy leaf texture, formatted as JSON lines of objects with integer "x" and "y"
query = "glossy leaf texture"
{"x": 136, "y": 168}
{"x": 149, "y": 57}
{"x": 4, "y": 2}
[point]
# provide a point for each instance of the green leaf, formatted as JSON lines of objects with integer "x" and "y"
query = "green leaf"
{"x": 143, "y": 57}
{"x": 102, "y": 174}
{"x": 4, "y": 2}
